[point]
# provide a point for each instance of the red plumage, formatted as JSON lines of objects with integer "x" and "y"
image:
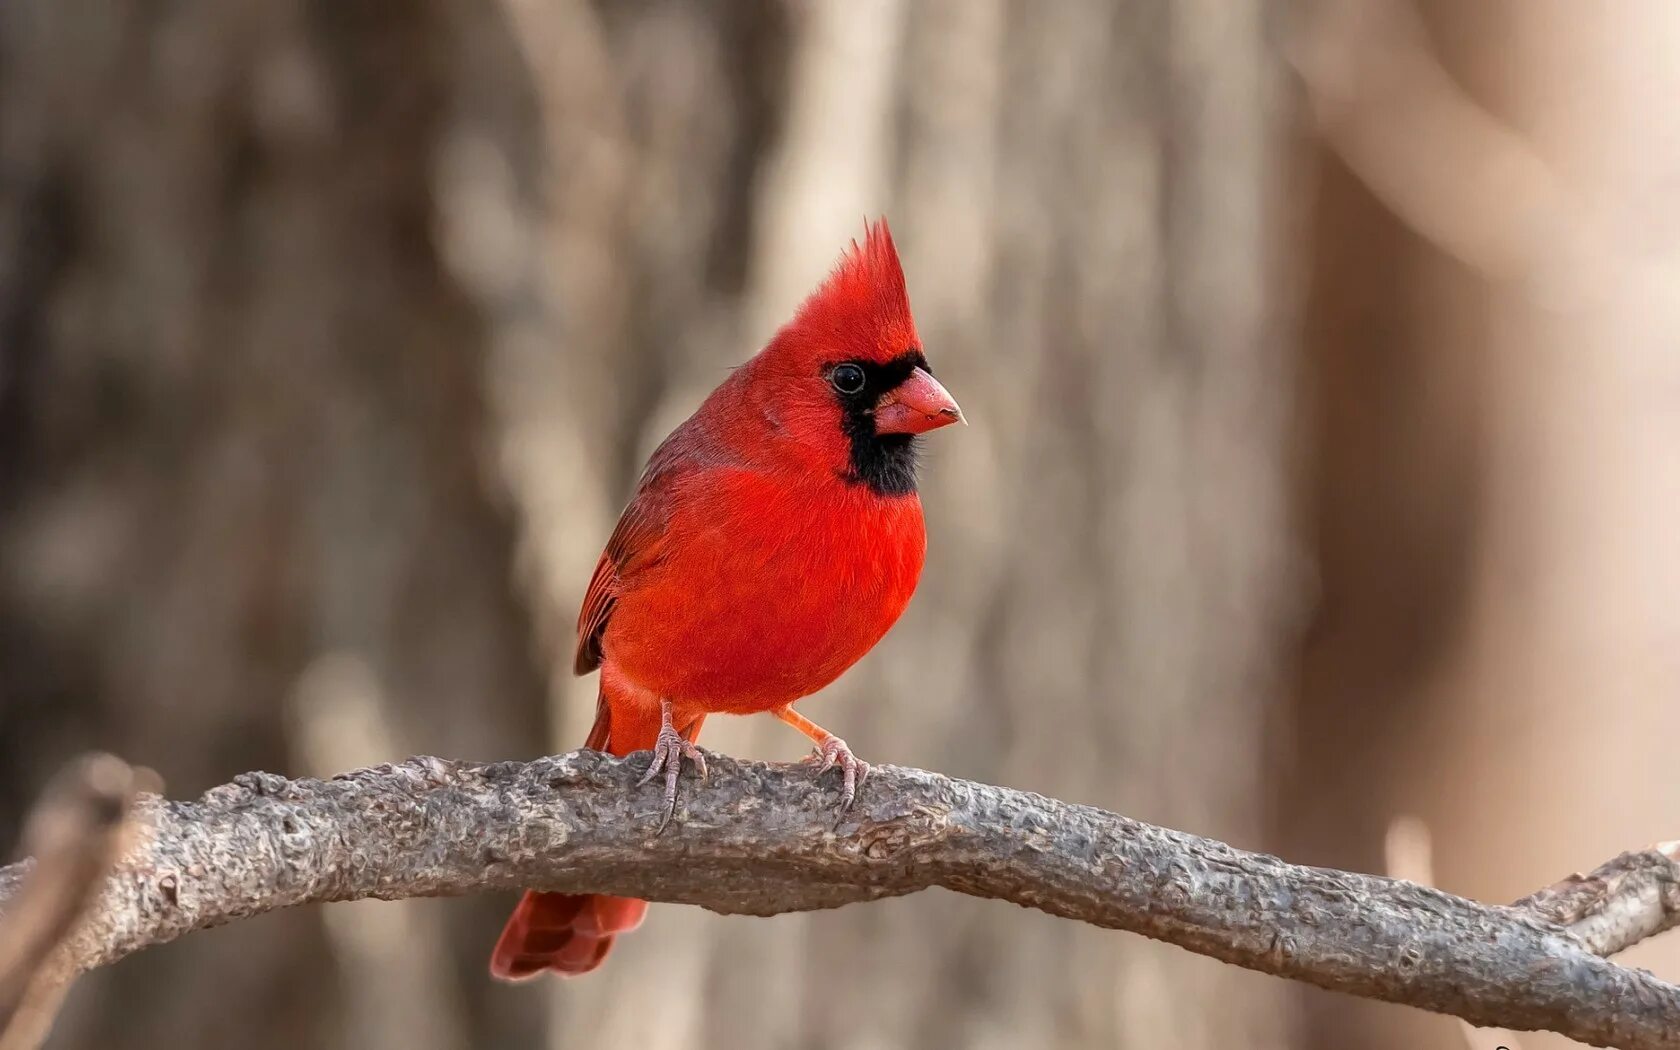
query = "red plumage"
{"x": 774, "y": 537}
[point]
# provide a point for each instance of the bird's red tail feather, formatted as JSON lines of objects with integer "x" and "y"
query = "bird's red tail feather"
{"x": 567, "y": 934}
{"x": 570, "y": 934}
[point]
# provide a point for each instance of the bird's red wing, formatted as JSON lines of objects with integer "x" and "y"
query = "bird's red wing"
{"x": 639, "y": 531}
{"x": 598, "y": 603}
{"x": 635, "y": 542}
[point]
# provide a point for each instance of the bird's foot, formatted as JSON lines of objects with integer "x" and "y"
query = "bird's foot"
{"x": 853, "y": 770}
{"x": 668, "y": 752}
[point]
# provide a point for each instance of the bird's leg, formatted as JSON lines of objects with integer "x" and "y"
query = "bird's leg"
{"x": 832, "y": 751}
{"x": 668, "y": 752}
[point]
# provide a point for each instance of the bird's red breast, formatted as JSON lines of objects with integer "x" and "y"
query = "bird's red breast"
{"x": 770, "y": 586}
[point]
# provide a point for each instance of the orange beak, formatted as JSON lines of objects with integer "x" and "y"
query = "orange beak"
{"x": 916, "y": 406}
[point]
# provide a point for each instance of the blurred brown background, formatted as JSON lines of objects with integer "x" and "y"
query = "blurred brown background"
{"x": 1320, "y": 493}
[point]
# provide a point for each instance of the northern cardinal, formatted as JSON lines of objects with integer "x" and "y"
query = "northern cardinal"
{"x": 773, "y": 539}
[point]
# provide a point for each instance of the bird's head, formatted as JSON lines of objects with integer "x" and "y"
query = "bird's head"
{"x": 848, "y": 377}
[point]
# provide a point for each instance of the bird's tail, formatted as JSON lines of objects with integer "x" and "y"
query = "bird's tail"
{"x": 571, "y": 934}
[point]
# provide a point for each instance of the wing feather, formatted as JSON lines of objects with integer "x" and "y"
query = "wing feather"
{"x": 639, "y": 530}
{"x": 636, "y": 542}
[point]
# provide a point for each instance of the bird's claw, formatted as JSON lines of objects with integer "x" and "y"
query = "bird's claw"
{"x": 853, "y": 770}
{"x": 668, "y": 752}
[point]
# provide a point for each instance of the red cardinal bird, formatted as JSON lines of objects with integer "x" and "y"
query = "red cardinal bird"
{"x": 774, "y": 538}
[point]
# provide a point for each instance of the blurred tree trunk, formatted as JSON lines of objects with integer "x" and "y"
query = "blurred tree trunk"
{"x": 241, "y": 393}
{"x": 1494, "y": 654}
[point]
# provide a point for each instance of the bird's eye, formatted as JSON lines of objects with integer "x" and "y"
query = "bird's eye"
{"x": 847, "y": 378}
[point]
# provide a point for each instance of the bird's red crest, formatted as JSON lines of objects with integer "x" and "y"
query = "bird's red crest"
{"x": 863, "y": 305}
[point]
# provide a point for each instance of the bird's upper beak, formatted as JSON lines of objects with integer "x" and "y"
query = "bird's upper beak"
{"x": 915, "y": 406}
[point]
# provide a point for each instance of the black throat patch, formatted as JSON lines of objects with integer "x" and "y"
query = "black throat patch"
{"x": 886, "y": 463}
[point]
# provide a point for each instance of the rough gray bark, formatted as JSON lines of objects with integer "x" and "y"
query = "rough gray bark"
{"x": 1620, "y": 903}
{"x": 757, "y": 840}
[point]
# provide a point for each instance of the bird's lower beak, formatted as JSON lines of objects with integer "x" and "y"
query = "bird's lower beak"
{"x": 915, "y": 406}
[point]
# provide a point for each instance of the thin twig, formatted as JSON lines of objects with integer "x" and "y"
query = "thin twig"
{"x": 1625, "y": 901}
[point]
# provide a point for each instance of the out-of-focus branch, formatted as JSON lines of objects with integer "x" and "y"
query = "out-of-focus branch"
{"x": 760, "y": 840}
{"x": 1458, "y": 175}
{"x": 74, "y": 835}
{"x": 1453, "y": 171}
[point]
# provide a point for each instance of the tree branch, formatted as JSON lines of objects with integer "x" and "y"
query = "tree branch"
{"x": 1459, "y": 176}
{"x": 1633, "y": 897}
{"x": 74, "y": 834}
{"x": 760, "y": 840}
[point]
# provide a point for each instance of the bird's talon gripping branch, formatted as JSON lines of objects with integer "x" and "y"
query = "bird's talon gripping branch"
{"x": 853, "y": 770}
{"x": 831, "y": 751}
{"x": 668, "y": 752}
